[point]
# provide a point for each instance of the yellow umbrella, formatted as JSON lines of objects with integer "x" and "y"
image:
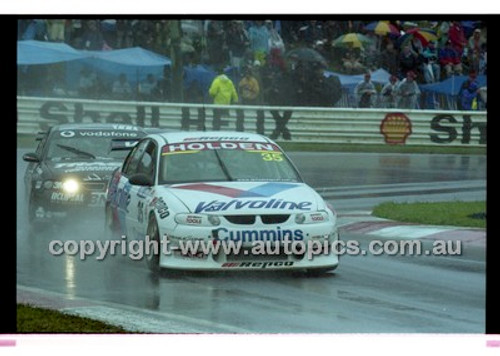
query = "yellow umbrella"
{"x": 355, "y": 40}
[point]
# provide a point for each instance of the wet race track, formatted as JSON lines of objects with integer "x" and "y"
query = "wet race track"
{"x": 366, "y": 294}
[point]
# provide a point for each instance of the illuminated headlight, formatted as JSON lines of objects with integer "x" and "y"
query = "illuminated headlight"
{"x": 70, "y": 186}
{"x": 197, "y": 219}
{"x": 316, "y": 217}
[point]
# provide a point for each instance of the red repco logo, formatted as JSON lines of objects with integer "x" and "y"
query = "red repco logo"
{"x": 396, "y": 127}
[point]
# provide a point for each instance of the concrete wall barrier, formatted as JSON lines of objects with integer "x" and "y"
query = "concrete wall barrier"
{"x": 307, "y": 124}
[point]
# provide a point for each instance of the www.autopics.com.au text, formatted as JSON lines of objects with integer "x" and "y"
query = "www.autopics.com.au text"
{"x": 137, "y": 249}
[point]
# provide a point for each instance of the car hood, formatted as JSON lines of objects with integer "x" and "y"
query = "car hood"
{"x": 234, "y": 198}
{"x": 86, "y": 170}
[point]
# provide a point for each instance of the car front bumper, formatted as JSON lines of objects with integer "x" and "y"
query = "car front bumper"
{"x": 49, "y": 206}
{"x": 286, "y": 247}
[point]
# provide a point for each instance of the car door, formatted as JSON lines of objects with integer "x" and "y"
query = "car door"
{"x": 122, "y": 192}
{"x": 140, "y": 196}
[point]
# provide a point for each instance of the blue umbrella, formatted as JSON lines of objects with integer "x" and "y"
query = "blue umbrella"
{"x": 469, "y": 26}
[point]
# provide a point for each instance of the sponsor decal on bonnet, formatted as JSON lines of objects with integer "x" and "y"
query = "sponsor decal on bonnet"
{"x": 237, "y": 204}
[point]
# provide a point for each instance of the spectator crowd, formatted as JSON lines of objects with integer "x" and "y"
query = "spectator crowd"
{"x": 257, "y": 50}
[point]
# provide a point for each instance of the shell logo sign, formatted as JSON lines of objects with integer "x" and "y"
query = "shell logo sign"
{"x": 396, "y": 127}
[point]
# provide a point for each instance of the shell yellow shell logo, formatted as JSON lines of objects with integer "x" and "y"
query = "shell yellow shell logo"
{"x": 396, "y": 127}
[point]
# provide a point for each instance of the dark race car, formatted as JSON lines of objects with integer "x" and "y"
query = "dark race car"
{"x": 68, "y": 174}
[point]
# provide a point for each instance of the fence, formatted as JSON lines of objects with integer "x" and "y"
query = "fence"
{"x": 308, "y": 124}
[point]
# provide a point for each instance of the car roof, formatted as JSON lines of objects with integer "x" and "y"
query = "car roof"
{"x": 98, "y": 126}
{"x": 208, "y": 136}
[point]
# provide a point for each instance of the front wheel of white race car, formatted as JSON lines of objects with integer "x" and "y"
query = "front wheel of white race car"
{"x": 318, "y": 272}
{"x": 153, "y": 258}
{"x": 109, "y": 231}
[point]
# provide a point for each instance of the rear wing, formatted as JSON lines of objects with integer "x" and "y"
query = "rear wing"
{"x": 123, "y": 144}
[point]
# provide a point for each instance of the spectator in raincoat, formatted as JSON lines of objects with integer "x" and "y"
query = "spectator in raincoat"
{"x": 430, "y": 65}
{"x": 149, "y": 90}
{"x": 121, "y": 89}
{"x": 258, "y": 35}
{"x": 388, "y": 93}
{"x": 365, "y": 92}
{"x": 468, "y": 94}
{"x": 474, "y": 49}
{"x": 408, "y": 92}
{"x": 223, "y": 92}
{"x": 249, "y": 90}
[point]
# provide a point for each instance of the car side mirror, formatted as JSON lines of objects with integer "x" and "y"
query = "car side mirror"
{"x": 31, "y": 157}
{"x": 141, "y": 179}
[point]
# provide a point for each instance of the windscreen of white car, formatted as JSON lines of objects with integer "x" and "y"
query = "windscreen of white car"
{"x": 225, "y": 161}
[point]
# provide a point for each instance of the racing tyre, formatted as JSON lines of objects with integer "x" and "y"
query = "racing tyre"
{"x": 153, "y": 259}
{"x": 110, "y": 230}
{"x": 35, "y": 227}
{"x": 318, "y": 272}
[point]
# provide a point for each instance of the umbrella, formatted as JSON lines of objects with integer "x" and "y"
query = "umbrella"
{"x": 469, "y": 26}
{"x": 352, "y": 39}
{"x": 382, "y": 28}
{"x": 424, "y": 35}
{"x": 305, "y": 54}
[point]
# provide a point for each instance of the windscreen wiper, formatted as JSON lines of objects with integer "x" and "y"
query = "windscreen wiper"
{"x": 223, "y": 166}
{"x": 76, "y": 150}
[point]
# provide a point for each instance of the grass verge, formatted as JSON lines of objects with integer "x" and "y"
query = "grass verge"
{"x": 39, "y": 320}
{"x": 465, "y": 214}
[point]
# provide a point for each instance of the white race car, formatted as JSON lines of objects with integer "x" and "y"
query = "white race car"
{"x": 220, "y": 201}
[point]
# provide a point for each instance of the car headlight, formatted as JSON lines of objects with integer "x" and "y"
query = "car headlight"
{"x": 316, "y": 217}
{"x": 197, "y": 219}
{"x": 70, "y": 186}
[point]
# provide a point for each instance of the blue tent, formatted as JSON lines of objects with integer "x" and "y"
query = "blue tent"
{"x": 380, "y": 76}
{"x": 202, "y": 75}
{"x": 450, "y": 86}
{"x": 134, "y": 56}
{"x": 39, "y": 52}
{"x": 136, "y": 63}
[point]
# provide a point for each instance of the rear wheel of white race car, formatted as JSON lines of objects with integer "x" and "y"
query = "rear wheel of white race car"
{"x": 153, "y": 258}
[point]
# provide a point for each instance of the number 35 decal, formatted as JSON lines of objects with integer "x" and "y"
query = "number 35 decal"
{"x": 272, "y": 156}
